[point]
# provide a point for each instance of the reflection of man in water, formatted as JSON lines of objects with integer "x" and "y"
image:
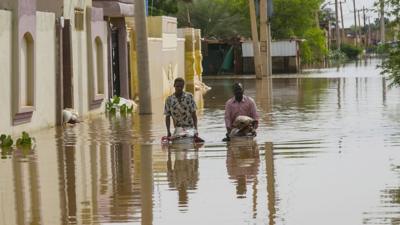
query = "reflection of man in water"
{"x": 239, "y": 105}
{"x": 242, "y": 163}
{"x": 183, "y": 172}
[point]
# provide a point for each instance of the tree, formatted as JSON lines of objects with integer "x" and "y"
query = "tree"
{"x": 163, "y": 7}
{"x": 391, "y": 65}
{"x": 222, "y": 19}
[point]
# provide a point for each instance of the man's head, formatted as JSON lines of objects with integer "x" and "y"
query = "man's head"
{"x": 238, "y": 91}
{"x": 179, "y": 84}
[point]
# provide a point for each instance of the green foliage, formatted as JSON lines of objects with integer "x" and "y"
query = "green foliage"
{"x": 293, "y": 17}
{"x": 116, "y": 100}
{"x": 5, "y": 152}
{"x": 383, "y": 49}
{"x": 25, "y": 141}
{"x": 163, "y": 7}
{"x": 123, "y": 109}
{"x": 391, "y": 66}
{"x": 336, "y": 55}
{"x": 297, "y": 19}
{"x": 222, "y": 19}
{"x": 113, "y": 106}
{"x": 351, "y": 51}
{"x": 313, "y": 49}
{"x": 6, "y": 141}
{"x": 227, "y": 19}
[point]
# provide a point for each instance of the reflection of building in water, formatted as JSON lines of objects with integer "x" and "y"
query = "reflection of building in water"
{"x": 183, "y": 172}
{"x": 84, "y": 181}
{"x": 242, "y": 163}
{"x": 20, "y": 194}
{"x": 269, "y": 161}
{"x": 264, "y": 99}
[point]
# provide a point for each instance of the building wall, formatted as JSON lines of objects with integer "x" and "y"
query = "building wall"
{"x": 5, "y": 69}
{"x": 181, "y": 57}
{"x": 54, "y": 6}
{"x": 166, "y": 54}
{"x": 44, "y": 114}
{"x": 80, "y": 62}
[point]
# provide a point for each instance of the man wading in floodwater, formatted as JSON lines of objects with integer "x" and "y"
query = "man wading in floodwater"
{"x": 239, "y": 105}
{"x": 181, "y": 107}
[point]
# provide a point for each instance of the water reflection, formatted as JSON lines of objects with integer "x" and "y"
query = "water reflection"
{"x": 183, "y": 171}
{"x": 270, "y": 172}
{"x": 242, "y": 162}
{"x": 327, "y": 153}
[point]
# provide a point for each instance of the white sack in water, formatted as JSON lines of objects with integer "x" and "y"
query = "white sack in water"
{"x": 70, "y": 116}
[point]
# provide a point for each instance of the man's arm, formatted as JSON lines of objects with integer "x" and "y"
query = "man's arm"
{"x": 228, "y": 123}
{"x": 194, "y": 117}
{"x": 167, "y": 113}
{"x": 168, "y": 125}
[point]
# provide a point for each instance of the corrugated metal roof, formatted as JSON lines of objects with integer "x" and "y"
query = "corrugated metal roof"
{"x": 278, "y": 48}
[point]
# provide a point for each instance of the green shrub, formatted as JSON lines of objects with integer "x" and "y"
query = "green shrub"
{"x": 6, "y": 141}
{"x": 337, "y": 55}
{"x": 383, "y": 49}
{"x": 351, "y": 51}
{"x": 24, "y": 141}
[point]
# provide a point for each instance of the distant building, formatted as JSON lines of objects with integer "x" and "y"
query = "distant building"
{"x": 237, "y": 57}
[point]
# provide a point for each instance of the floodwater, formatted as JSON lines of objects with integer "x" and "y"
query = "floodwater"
{"x": 327, "y": 152}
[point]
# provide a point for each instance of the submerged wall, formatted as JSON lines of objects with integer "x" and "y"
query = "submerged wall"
{"x": 44, "y": 69}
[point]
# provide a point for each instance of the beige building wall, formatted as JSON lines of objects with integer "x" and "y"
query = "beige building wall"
{"x": 7, "y": 196}
{"x": 166, "y": 54}
{"x": 5, "y": 70}
{"x": 44, "y": 114}
{"x": 80, "y": 59}
{"x": 181, "y": 57}
{"x": 48, "y": 174}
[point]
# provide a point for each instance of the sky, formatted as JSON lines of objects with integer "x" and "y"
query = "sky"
{"x": 348, "y": 15}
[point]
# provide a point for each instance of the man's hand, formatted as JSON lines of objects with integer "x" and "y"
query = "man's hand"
{"x": 255, "y": 124}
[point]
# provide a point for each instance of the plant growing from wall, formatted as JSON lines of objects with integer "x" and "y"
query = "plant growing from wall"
{"x": 6, "y": 141}
{"x": 25, "y": 141}
{"x": 113, "y": 106}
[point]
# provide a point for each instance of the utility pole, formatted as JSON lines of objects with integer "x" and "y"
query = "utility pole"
{"x": 382, "y": 5}
{"x": 341, "y": 17}
{"x": 369, "y": 30}
{"x": 254, "y": 34}
{"x": 264, "y": 39}
{"x": 355, "y": 21}
{"x": 337, "y": 25}
{"x": 365, "y": 30}
{"x": 329, "y": 33}
{"x": 359, "y": 27}
{"x": 142, "y": 58}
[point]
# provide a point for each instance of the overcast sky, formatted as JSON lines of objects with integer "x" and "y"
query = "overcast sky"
{"x": 348, "y": 15}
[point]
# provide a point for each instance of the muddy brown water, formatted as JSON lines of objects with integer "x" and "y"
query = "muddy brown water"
{"x": 327, "y": 152}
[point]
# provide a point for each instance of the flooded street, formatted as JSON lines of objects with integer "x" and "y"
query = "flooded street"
{"x": 327, "y": 152}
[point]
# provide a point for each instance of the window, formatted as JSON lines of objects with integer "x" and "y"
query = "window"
{"x": 99, "y": 71}
{"x": 27, "y": 71}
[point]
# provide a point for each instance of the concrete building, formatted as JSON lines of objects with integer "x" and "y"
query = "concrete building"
{"x": 27, "y": 67}
{"x": 116, "y": 13}
{"x": 54, "y": 56}
{"x": 58, "y": 54}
